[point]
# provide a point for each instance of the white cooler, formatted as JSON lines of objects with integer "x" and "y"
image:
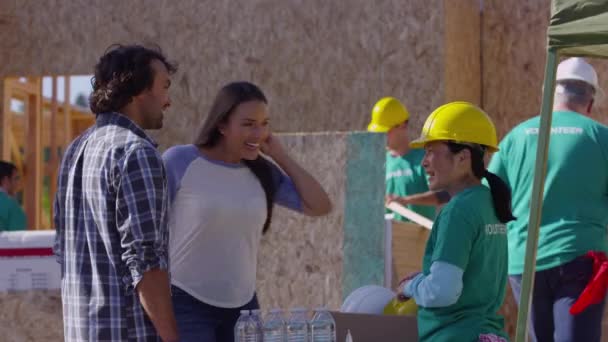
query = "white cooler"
{"x": 27, "y": 261}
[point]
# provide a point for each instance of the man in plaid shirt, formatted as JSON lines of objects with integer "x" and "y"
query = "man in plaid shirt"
{"x": 110, "y": 210}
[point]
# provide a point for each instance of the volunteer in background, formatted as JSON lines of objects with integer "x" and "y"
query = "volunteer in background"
{"x": 406, "y": 181}
{"x": 12, "y": 216}
{"x": 464, "y": 271}
{"x": 575, "y": 206}
{"x": 223, "y": 192}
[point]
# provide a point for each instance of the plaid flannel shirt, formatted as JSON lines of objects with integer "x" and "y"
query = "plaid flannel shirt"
{"x": 110, "y": 213}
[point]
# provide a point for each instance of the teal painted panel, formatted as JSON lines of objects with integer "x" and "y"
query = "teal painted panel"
{"x": 364, "y": 212}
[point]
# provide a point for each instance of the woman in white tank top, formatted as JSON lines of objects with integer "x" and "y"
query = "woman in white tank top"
{"x": 222, "y": 193}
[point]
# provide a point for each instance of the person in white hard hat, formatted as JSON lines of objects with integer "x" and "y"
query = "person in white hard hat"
{"x": 575, "y": 206}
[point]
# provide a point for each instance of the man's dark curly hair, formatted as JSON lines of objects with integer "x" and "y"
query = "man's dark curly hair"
{"x": 122, "y": 72}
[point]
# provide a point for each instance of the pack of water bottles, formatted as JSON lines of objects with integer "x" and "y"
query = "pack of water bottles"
{"x": 278, "y": 327}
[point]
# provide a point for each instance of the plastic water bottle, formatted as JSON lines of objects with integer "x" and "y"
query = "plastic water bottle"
{"x": 274, "y": 327}
{"x": 297, "y": 326}
{"x": 256, "y": 315}
{"x": 349, "y": 337}
{"x": 323, "y": 326}
{"x": 245, "y": 329}
{"x": 239, "y": 326}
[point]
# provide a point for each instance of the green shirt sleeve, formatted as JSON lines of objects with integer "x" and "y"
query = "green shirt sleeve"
{"x": 455, "y": 236}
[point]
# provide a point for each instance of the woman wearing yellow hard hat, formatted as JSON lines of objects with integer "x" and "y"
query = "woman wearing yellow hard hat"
{"x": 464, "y": 272}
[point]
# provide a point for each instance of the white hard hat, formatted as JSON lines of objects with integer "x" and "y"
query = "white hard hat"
{"x": 576, "y": 68}
{"x": 370, "y": 299}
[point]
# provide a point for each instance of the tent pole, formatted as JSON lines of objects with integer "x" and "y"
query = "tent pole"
{"x": 540, "y": 170}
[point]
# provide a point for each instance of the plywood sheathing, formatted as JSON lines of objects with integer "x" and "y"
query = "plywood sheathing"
{"x": 322, "y": 63}
{"x": 514, "y": 53}
{"x": 300, "y": 260}
{"x": 462, "y": 46}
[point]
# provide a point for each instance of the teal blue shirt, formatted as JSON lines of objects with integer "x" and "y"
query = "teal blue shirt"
{"x": 467, "y": 235}
{"x": 575, "y": 200}
{"x": 405, "y": 176}
{"x": 12, "y": 216}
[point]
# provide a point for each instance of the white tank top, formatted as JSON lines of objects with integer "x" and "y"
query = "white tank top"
{"x": 216, "y": 220}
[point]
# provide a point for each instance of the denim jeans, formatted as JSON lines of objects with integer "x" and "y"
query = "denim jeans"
{"x": 200, "y": 322}
{"x": 555, "y": 290}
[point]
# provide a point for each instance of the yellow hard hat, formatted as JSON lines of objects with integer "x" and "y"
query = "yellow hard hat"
{"x": 387, "y": 113}
{"x": 458, "y": 122}
{"x": 398, "y": 307}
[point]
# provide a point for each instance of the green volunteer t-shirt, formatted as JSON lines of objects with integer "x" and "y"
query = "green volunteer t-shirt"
{"x": 468, "y": 234}
{"x": 406, "y": 176}
{"x": 575, "y": 200}
{"x": 12, "y": 216}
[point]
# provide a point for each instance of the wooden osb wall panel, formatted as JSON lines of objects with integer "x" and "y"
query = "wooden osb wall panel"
{"x": 409, "y": 242}
{"x": 462, "y": 48}
{"x": 513, "y": 42}
{"x": 513, "y": 64}
{"x": 300, "y": 259}
{"x": 322, "y": 63}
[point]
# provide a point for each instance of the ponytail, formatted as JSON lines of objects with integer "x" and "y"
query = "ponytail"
{"x": 501, "y": 194}
{"x": 261, "y": 168}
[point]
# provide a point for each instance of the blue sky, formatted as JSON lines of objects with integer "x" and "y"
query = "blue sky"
{"x": 79, "y": 84}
